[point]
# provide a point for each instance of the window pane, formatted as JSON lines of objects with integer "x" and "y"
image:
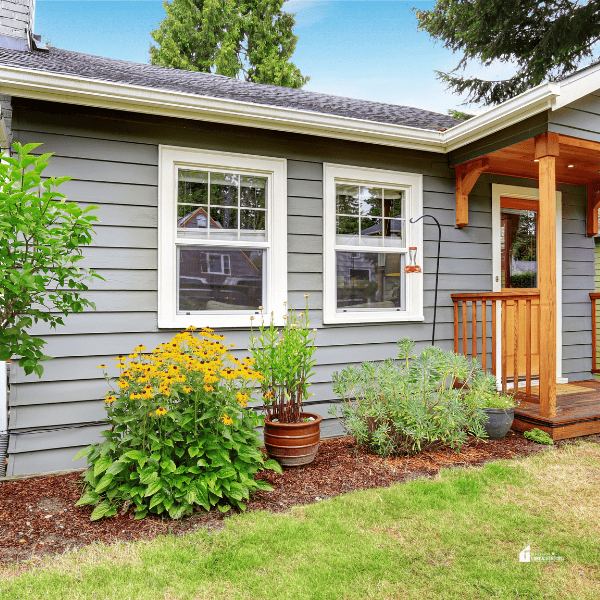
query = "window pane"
{"x": 213, "y": 278}
{"x": 224, "y": 188}
{"x": 393, "y": 232}
{"x": 392, "y": 203}
{"x": 346, "y": 199}
{"x": 192, "y": 187}
{"x": 253, "y": 191}
{"x": 347, "y": 230}
{"x": 370, "y": 234}
{"x": 518, "y": 245}
{"x": 370, "y": 280}
{"x": 370, "y": 201}
{"x": 253, "y": 225}
{"x": 192, "y": 217}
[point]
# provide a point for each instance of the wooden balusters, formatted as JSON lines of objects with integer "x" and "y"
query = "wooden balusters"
{"x": 516, "y": 308}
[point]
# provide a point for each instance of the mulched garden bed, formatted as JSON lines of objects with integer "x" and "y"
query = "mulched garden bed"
{"x": 38, "y": 516}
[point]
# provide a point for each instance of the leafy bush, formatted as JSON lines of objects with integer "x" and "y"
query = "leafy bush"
{"x": 284, "y": 358}
{"x": 524, "y": 280}
{"x": 419, "y": 403}
{"x": 538, "y": 436}
{"x": 41, "y": 235}
{"x": 181, "y": 433}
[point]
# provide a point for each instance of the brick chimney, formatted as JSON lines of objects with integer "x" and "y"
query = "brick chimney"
{"x": 16, "y": 23}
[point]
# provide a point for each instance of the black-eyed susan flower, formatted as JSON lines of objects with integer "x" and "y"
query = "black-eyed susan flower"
{"x": 242, "y": 399}
{"x": 226, "y": 420}
{"x": 187, "y": 389}
{"x": 102, "y": 366}
{"x": 209, "y": 388}
{"x": 110, "y": 399}
{"x": 160, "y": 412}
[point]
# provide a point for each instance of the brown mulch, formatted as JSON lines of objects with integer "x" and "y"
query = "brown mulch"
{"x": 38, "y": 516}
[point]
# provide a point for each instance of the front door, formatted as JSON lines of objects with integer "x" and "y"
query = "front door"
{"x": 518, "y": 270}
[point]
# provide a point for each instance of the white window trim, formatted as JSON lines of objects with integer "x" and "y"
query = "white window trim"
{"x": 170, "y": 159}
{"x": 413, "y": 185}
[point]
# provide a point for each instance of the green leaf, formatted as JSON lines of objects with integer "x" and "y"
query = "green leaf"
{"x": 83, "y": 452}
{"x": 104, "y": 483}
{"x": 225, "y": 508}
{"x": 89, "y": 497}
{"x": 101, "y": 465}
{"x": 100, "y": 510}
{"x": 141, "y": 514}
{"x": 154, "y": 487}
{"x": 263, "y": 485}
{"x": 273, "y": 465}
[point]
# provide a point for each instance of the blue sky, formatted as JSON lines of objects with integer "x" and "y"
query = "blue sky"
{"x": 363, "y": 49}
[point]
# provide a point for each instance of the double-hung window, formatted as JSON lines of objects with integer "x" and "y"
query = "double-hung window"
{"x": 367, "y": 236}
{"x": 222, "y": 238}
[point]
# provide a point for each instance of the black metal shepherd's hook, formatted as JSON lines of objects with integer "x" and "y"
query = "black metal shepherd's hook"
{"x": 437, "y": 269}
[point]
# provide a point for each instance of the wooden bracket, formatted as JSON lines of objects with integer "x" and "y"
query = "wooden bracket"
{"x": 467, "y": 175}
{"x": 593, "y": 204}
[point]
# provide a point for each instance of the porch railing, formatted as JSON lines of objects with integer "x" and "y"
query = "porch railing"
{"x": 502, "y": 330}
{"x": 594, "y": 297}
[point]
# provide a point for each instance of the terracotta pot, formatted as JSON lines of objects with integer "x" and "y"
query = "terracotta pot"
{"x": 293, "y": 444}
{"x": 499, "y": 422}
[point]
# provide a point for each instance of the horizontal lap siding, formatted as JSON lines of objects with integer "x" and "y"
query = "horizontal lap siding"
{"x": 113, "y": 160}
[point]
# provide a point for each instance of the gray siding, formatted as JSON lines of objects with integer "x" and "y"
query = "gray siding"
{"x": 580, "y": 119}
{"x": 114, "y": 160}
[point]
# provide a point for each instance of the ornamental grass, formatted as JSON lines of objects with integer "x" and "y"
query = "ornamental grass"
{"x": 181, "y": 433}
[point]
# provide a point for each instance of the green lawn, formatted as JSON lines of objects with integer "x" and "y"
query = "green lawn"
{"x": 456, "y": 536}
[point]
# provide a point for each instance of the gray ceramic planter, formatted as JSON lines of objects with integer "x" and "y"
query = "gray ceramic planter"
{"x": 499, "y": 422}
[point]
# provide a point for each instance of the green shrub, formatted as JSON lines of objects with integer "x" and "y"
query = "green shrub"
{"x": 524, "y": 280}
{"x": 181, "y": 433}
{"x": 538, "y": 436}
{"x": 403, "y": 408}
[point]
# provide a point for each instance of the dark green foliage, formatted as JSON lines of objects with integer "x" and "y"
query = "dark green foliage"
{"x": 539, "y": 436}
{"x": 406, "y": 407}
{"x": 41, "y": 236}
{"x": 524, "y": 280}
{"x": 546, "y": 40}
{"x": 252, "y": 39}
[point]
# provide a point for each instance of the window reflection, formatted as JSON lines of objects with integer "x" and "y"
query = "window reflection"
{"x": 370, "y": 280}
{"x": 212, "y": 278}
{"x": 518, "y": 242}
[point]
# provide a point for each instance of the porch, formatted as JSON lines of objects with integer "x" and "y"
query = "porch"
{"x": 515, "y": 329}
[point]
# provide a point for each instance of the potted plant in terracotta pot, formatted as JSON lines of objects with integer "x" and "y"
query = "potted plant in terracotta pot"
{"x": 284, "y": 357}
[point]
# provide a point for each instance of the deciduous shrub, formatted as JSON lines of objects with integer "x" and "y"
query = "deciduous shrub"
{"x": 181, "y": 432}
{"x": 415, "y": 404}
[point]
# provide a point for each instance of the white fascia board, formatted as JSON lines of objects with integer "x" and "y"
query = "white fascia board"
{"x": 577, "y": 86}
{"x": 512, "y": 111}
{"x": 69, "y": 89}
{"x": 73, "y": 90}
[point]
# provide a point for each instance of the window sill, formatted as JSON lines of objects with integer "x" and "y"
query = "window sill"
{"x": 382, "y": 317}
{"x": 214, "y": 321}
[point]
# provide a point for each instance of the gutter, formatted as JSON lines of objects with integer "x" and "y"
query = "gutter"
{"x": 43, "y": 85}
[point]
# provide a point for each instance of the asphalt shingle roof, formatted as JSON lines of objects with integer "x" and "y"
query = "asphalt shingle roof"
{"x": 88, "y": 66}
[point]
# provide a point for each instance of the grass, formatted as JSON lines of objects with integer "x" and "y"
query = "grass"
{"x": 455, "y": 536}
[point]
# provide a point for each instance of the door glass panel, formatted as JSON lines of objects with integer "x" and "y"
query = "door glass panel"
{"x": 518, "y": 245}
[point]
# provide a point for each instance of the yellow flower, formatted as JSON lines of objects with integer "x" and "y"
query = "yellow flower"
{"x": 187, "y": 389}
{"x": 209, "y": 388}
{"x": 121, "y": 365}
{"x": 123, "y": 384}
{"x": 134, "y": 355}
{"x": 161, "y": 411}
{"x": 227, "y": 420}
{"x": 110, "y": 399}
{"x": 242, "y": 399}
{"x": 102, "y": 366}
{"x": 268, "y": 395}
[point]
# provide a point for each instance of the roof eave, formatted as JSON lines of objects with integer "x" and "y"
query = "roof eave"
{"x": 56, "y": 87}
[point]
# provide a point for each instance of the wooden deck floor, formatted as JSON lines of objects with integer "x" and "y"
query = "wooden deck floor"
{"x": 577, "y": 412}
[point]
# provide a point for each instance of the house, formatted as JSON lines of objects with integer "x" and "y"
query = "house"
{"x": 218, "y": 196}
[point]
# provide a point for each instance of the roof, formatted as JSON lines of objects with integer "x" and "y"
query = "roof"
{"x": 87, "y": 66}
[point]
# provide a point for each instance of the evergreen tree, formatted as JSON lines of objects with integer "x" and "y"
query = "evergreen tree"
{"x": 252, "y": 39}
{"x": 547, "y": 41}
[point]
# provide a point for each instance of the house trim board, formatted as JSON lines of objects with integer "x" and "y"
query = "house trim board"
{"x": 526, "y": 193}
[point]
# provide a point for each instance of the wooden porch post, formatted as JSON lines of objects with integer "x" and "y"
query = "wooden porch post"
{"x": 546, "y": 151}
